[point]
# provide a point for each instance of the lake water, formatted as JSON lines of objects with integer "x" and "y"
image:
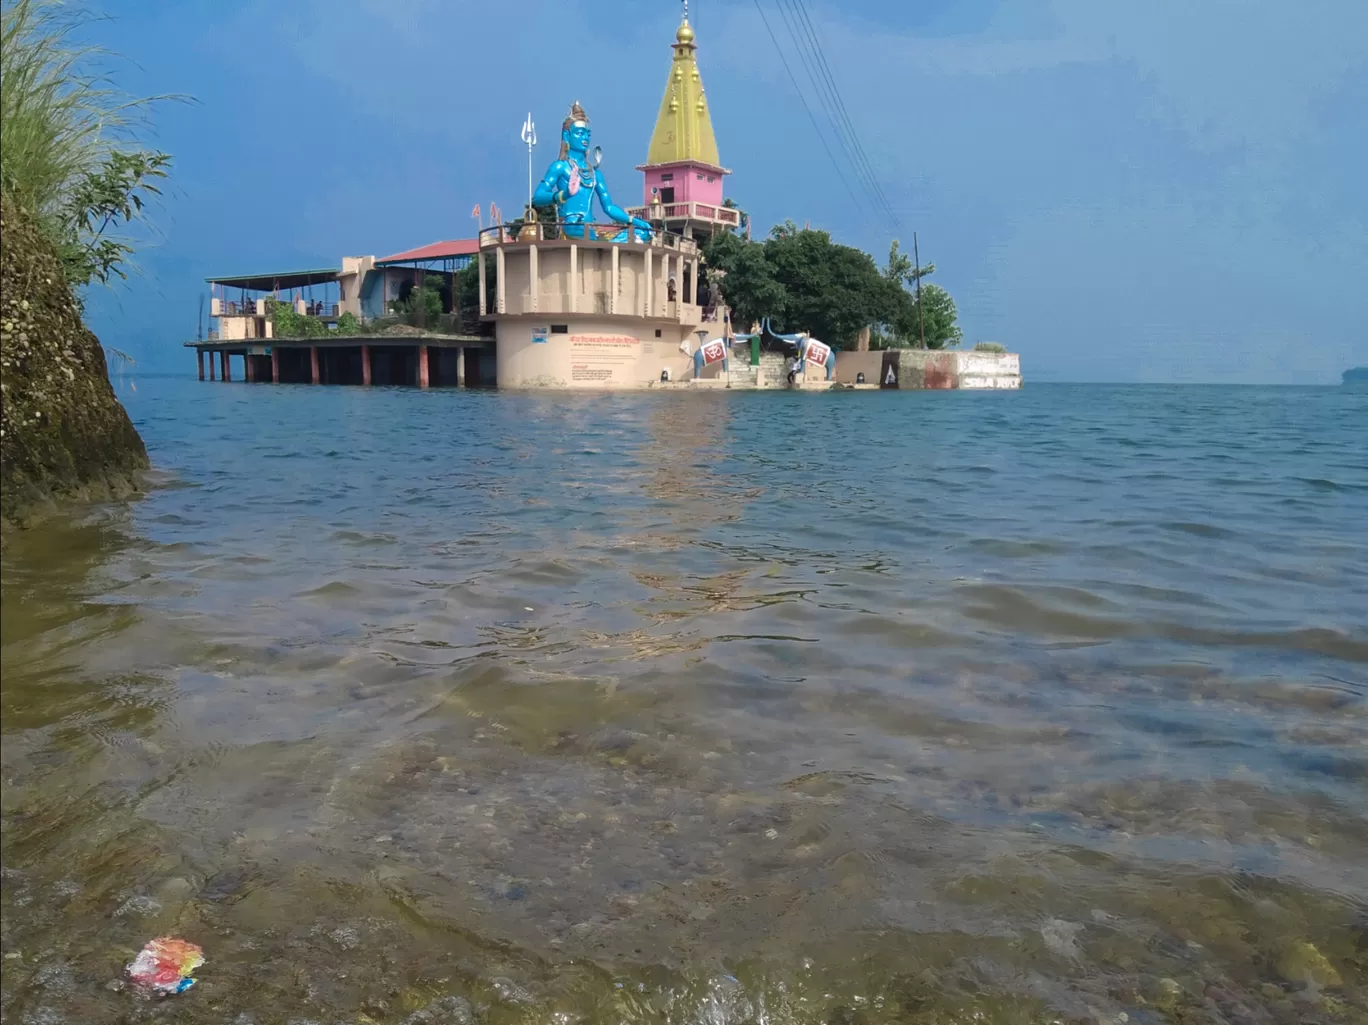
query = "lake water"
{"x": 700, "y": 708}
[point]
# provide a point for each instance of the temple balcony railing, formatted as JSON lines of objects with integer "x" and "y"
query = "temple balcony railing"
{"x": 597, "y": 234}
{"x": 656, "y": 212}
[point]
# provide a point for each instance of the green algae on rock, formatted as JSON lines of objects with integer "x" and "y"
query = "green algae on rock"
{"x": 63, "y": 433}
{"x": 1302, "y": 962}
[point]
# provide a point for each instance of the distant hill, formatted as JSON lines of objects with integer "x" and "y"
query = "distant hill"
{"x": 1358, "y": 375}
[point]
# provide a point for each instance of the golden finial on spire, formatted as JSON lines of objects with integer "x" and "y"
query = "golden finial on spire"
{"x": 685, "y": 35}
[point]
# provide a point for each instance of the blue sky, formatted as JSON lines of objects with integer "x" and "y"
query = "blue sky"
{"x": 1167, "y": 191}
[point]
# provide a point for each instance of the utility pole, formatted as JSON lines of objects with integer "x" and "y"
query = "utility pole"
{"x": 921, "y": 315}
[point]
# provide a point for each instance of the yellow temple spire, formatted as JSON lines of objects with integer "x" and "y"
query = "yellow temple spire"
{"x": 683, "y": 128}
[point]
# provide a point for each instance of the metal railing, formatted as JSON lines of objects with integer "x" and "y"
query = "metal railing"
{"x": 256, "y": 308}
{"x": 551, "y": 231}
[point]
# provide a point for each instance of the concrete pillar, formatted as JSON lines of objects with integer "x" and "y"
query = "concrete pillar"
{"x": 422, "y": 366}
{"x": 574, "y": 285}
{"x": 248, "y": 370}
{"x": 483, "y": 311}
{"x": 227, "y": 366}
{"x": 501, "y": 285}
{"x": 275, "y": 365}
{"x": 534, "y": 279}
{"x": 422, "y": 307}
{"x": 647, "y": 280}
{"x": 460, "y": 367}
{"x": 313, "y": 364}
{"x": 613, "y": 295}
{"x": 199, "y": 362}
{"x": 366, "y": 364}
{"x": 210, "y": 357}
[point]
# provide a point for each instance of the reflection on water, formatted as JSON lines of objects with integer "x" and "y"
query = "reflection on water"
{"x": 477, "y": 707}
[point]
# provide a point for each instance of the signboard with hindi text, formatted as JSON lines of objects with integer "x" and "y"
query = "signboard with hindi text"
{"x": 603, "y": 359}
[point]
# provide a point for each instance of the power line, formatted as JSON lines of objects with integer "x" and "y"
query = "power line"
{"x": 825, "y": 68}
{"x": 811, "y": 117}
{"x": 809, "y": 62}
{"x": 804, "y": 38}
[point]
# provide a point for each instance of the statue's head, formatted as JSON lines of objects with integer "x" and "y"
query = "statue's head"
{"x": 575, "y": 131}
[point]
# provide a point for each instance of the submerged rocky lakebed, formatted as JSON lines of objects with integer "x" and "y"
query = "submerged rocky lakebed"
{"x": 853, "y": 708}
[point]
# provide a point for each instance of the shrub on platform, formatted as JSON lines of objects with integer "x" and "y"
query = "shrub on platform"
{"x": 287, "y": 322}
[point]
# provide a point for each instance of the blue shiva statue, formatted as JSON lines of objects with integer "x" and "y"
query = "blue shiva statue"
{"x": 571, "y": 183}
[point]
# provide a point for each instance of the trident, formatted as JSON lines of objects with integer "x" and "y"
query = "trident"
{"x": 529, "y": 136}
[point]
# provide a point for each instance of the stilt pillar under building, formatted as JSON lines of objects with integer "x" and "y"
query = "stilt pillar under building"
{"x": 227, "y": 366}
{"x": 275, "y": 365}
{"x": 199, "y": 362}
{"x": 249, "y": 368}
{"x": 313, "y": 364}
{"x": 460, "y": 367}
{"x": 422, "y": 366}
{"x": 365, "y": 365}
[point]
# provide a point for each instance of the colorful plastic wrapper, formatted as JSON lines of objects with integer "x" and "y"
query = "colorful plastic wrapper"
{"x": 163, "y": 966}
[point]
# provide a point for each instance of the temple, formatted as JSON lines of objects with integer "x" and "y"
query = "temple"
{"x": 683, "y": 172}
{"x": 578, "y": 293}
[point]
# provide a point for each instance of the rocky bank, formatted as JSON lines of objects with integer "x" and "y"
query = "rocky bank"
{"x": 63, "y": 434}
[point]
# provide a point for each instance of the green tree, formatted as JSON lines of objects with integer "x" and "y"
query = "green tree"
{"x": 749, "y": 284}
{"x": 803, "y": 281}
{"x": 939, "y": 315}
{"x": 900, "y": 268}
{"x": 936, "y": 315}
{"x": 833, "y": 290}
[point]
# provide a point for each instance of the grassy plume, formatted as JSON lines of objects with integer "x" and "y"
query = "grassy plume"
{"x": 69, "y": 150}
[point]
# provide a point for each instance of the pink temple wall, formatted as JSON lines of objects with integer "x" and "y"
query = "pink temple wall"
{"x": 690, "y": 183}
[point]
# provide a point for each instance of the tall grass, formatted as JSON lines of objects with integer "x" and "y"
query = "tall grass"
{"x": 63, "y": 124}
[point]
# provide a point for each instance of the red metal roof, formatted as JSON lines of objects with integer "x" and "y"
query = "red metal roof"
{"x": 435, "y": 251}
